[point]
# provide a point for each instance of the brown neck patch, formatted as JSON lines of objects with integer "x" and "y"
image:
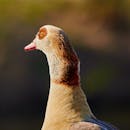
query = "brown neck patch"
{"x": 69, "y": 60}
{"x": 70, "y": 76}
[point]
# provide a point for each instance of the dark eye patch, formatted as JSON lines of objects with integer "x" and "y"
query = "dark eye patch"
{"x": 42, "y": 33}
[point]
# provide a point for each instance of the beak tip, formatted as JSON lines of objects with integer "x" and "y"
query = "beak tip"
{"x": 25, "y": 49}
{"x": 31, "y": 46}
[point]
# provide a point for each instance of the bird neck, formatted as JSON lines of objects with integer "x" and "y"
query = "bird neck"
{"x": 67, "y": 102}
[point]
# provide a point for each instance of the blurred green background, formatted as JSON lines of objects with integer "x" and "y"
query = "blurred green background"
{"x": 99, "y": 30}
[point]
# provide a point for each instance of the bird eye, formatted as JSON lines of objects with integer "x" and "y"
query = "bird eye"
{"x": 42, "y": 33}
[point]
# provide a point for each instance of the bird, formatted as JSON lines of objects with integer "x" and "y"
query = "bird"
{"x": 67, "y": 106}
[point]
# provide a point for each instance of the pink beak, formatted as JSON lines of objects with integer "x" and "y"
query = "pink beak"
{"x": 31, "y": 46}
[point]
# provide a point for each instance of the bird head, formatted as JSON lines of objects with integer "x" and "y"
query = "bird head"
{"x": 50, "y": 39}
{"x": 62, "y": 59}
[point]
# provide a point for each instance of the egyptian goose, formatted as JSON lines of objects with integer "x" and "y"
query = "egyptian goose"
{"x": 67, "y": 107}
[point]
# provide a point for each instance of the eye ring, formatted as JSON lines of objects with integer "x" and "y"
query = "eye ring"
{"x": 42, "y": 33}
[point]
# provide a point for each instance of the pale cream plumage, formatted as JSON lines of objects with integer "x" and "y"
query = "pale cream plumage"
{"x": 67, "y": 107}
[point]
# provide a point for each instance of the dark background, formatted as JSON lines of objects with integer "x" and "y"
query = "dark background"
{"x": 99, "y": 31}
